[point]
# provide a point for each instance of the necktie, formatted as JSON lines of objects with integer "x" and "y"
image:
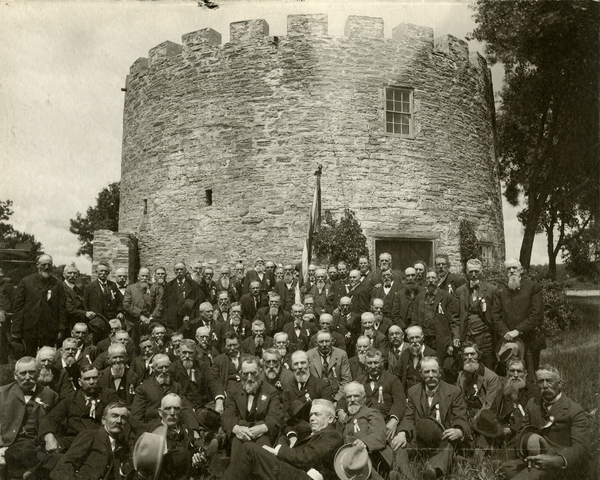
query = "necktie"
{"x": 325, "y": 366}
{"x": 235, "y": 362}
{"x": 92, "y": 402}
{"x": 250, "y": 402}
{"x": 300, "y": 386}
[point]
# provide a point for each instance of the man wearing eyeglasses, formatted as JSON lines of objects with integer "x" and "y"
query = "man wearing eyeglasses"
{"x": 253, "y": 410}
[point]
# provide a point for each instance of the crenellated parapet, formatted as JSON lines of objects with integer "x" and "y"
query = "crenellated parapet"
{"x": 220, "y": 139}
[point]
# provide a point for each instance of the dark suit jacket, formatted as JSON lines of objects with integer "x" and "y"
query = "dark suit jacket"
{"x": 247, "y": 303}
{"x": 248, "y": 348}
{"x": 511, "y": 415}
{"x": 144, "y": 409}
{"x": 288, "y": 296}
{"x": 403, "y": 307}
{"x": 204, "y": 389}
{"x": 73, "y": 415}
{"x": 356, "y": 369}
{"x": 138, "y": 371}
{"x": 302, "y": 341}
{"x": 75, "y": 306}
{"x": 125, "y": 390}
{"x": 522, "y": 309}
{"x": 361, "y": 296}
{"x": 388, "y": 300}
{"x": 13, "y": 409}
{"x": 568, "y": 434}
{"x": 453, "y": 411}
{"x": 446, "y": 319}
{"x": 266, "y": 284}
{"x": 402, "y": 367}
{"x": 394, "y": 400}
{"x": 485, "y": 293}
{"x": 170, "y": 299}
{"x": 266, "y": 409}
{"x": 314, "y": 387}
{"x": 90, "y": 457}
{"x": 316, "y": 451}
{"x": 244, "y": 329}
{"x": 452, "y": 282}
{"x": 283, "y": 317}
{"x": 221, "y": 367}
{"x": 338, "y": 289}
{"x": 108, "y": 305}
{"x": 34, "y": 313}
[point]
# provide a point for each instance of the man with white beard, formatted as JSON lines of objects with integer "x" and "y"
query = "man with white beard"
{"x": 274, "y": 316}
{"x": 365, "y": 427}
{"x": 148, "y": 396}
{"x": 382, "y": 323}
{"x": 49, "y": 372}
{"x": 281, "y": 343}
{"x": 204, "y": 345}
{"x": 405, "y": 299}
{"x": 477, "y": 382}
{"x": 357, "y": 363}
{"x": 518, "y": 311}
{"x": 116, "y": 376}
{"x": 39, "y": 308}
{"x": 320, "y": 291}
{"x": 408, "y": 369}
{"x": 274, "y": 374}
{"x": 359, "y": 292}
{"x": 252, "y": 409}
{"x": 260, "y": 275}
{"x": 258, "y": 342}
{"x": 511, "y": 401}
{"x": 378, "y": 339}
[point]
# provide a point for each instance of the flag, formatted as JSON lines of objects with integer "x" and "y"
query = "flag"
{"x": 314, "y": 224}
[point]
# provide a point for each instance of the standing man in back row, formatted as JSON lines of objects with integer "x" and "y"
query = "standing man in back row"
{"x": 40, "y": 309}
{"x": 518, "y": 311}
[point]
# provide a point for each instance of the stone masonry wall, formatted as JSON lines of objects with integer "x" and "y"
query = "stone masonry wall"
{"x": 251, "y": 120}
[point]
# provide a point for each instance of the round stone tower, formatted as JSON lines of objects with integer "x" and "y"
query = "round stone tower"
{"x": 220, "y": 142}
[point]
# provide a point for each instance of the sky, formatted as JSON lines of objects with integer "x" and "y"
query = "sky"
{"x": 61, "y": 104}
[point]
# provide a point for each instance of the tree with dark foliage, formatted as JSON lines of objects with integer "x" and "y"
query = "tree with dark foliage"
{"x": 341, "y": 241}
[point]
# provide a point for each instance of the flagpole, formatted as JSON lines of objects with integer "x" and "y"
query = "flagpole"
{"x": 314, "y": 224}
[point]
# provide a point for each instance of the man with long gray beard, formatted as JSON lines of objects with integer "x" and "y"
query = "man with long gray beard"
{"x": 116, "y": 376}
{"x": 39, "y": 308}
{"x": 49, "y": 373}
{"x": 281, "y": 343}
{"x": 142, "y": 303}
{"x": 69, "y": 370}
{"x": 258, "y": 342}
{"x": 273, "y": 316}
{"x": 260, "y": 275}
{"x": 320, "y": 291}
{"x": 408, "y": 369}
{"x": 80, "y": 410}
{"x": 478, "y": 383}
{"x": 252, "y": 409}
{"x": 510, "y": 403}
{"x": 286, "y": 289}
{"x": 358, "y": 362}
{"x": 518, "y": 311}
{"x": 148, "y": 396}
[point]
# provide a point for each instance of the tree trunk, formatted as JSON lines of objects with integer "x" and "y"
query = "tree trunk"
{"x": 529, "y": 237}
{"x": 552, "y": 252}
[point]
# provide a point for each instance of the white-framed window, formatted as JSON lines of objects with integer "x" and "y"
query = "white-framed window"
{"x": 487, "y": 253}
{"x": 399, "y": 111}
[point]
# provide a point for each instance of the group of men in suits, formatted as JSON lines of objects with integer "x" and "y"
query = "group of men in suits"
{"x": 406, "y": 363}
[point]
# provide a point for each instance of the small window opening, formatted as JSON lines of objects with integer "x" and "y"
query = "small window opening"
{"x": 145, "y": 206}
{"x": 208, "y": 197}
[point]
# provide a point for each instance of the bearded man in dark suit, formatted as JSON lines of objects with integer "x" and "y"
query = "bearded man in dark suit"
{"x": 177, "y": 293}
{"x": 39, "y": 308}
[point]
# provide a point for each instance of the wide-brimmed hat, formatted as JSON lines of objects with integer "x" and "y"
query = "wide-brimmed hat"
{"x": 487, "y": 424}
{"x": 352, "y": 462}
{"x": 429, "y": 432}
{"x": 148, "y": 453}
{"x": 98, "y": 325}
{"x": 531, "y": 442}
{"x": 505, "y": 350}
{"x": 298, "y": 411}
{"x": 209, "y": 419}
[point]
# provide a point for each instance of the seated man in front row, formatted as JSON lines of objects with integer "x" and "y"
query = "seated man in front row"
{"x": 435, "y": 420}
{"x": 563, "y": 425}
{"x": 309, "y": 459}
{"x": 252, "y": 410}
{"x": 102, "y": 453}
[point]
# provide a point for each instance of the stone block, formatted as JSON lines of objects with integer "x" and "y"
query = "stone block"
{"x": 248, "y": 31}
{"x": 307, "y": 24}
{"x": 163, "y": 51}
{"x": 453, "y": 47}
{"x": 363, "y": 27}
{"x": 200, "y": 40}
{"x": 408, "y": 32}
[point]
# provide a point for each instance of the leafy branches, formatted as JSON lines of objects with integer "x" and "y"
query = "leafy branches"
{"x": 341, "y": 240}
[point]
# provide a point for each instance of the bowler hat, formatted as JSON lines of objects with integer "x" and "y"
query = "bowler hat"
{"x": 148, "y": 454}
{"x": 487, "y": 424}
{"x": 429, "y": 432}
{"x": 531, "y": 442}
{"x": 298, "y": 411}
{"x": 505, "y": 350}
{"x": 209, "y": 419}
{"x": 352, "y": 462}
